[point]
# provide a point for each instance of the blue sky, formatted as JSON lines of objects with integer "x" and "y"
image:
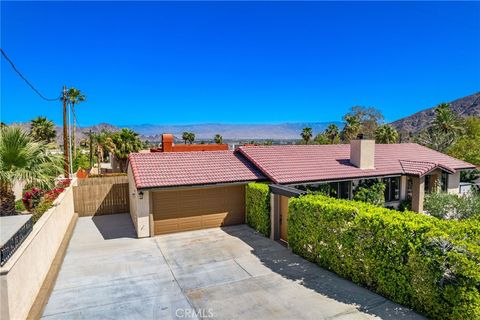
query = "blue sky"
{"x": 250, "y": 62}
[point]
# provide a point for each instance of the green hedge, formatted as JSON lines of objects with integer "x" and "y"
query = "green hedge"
{"x": 425, "y": 263}
{"x": 258, "y": 207}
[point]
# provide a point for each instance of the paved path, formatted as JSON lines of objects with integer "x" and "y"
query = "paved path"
{"x": 229, "y": 273}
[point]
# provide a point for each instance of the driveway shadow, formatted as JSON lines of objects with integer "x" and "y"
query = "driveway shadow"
{"x": 115, "y": 226}
{"x": 291, "y": 266}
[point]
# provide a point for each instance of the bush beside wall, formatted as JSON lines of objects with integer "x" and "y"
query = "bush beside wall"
{"x": 425, "y": 263}
{"x": 258, "y": 207}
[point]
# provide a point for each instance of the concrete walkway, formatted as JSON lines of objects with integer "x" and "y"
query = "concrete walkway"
{"x": 229, "y": 273}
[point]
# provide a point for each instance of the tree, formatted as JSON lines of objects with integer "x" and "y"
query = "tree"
{"x": 25, "y": 160}
{"x": 103, "y": 143}
{"x": 446, "y": 121}
{"x": 218, "y": 138}
{"x": 332, "y": 132}
{"x": 185, "y": 137}
{"x": 306, "y": 134}
{"x": 352, "y": 128}
{"x": 75, "y": 96}
{"x": 191, "y": 137}
{"x": 386, "y": 134}
{"x": 467, "y": 147}
{"x": 443, "y": 132}
{"x": 42, "y": 129}
{"x": 125, "y": 142}
{"x": 322, "y": 138}
{"x": 368, "y": 118}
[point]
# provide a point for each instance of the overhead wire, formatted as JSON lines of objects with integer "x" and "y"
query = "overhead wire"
{"x": 25, "y": 79}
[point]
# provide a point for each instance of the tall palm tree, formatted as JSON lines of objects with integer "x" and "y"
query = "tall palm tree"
{"x": 352, "y": 127}
{"x": 218, "y": 138}
{"x": 386, "y": 134}
{"x": 103, "y": 143}
{"x": 332, "y": 132}
{"x": 306, "y": 134}
{"x": 185, "y": 136}
{"x": 42, "y": 129}
{"x": 75, "y": 96}
{"x": 126, "y": 141}
{"x": 446, "y": 121}
{"x": 191, "y": 137}
{"x": 22, "y": 159}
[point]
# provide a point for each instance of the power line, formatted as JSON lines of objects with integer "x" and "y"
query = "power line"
{"x": 25, "y": 79}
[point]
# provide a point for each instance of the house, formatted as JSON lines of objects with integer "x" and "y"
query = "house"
{"x": 177, "y": 191}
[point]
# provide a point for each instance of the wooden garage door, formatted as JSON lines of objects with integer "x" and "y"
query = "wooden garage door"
{"x": 195, "y": 208}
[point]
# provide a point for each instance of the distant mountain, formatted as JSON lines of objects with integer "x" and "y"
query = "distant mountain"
{"x": 235, "y": 132}
{"x": 232, "y": 131}
{"x": 464, "y": 107}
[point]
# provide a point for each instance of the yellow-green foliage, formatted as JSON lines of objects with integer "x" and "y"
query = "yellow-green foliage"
{"x": 428, "y": 264}
{"x": 258, "y": 207}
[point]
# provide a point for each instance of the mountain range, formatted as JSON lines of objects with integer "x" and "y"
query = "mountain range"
{"x": 466, "y": 106}
{"x": 463, "y": 107}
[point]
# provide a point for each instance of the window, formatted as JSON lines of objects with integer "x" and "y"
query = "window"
{"x": 392, "y": 189}
{"x": 444, "y": 182}
{"x": 339, "y": 190}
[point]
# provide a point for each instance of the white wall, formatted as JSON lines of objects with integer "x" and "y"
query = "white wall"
{"x": 139, "y": 208}
{"x": 22, "y": 276}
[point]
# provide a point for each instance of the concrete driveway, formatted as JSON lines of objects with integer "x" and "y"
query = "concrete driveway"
{"x": 228, "y": 273}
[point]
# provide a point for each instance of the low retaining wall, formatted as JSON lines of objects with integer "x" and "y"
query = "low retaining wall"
{"x": 23, "y": 275}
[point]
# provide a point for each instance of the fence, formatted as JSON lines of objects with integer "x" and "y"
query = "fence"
{"x": 102, "y": 195}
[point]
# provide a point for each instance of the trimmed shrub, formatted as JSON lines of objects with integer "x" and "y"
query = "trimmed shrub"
{"x": 258, "y": 207}
{"x": 425, "y": 263}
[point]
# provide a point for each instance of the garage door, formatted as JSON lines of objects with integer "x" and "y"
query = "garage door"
{"x": 197, "y": 208}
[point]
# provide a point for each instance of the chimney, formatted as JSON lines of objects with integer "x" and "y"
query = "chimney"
{"x": 362, "y": 153}
{"x": 167, "y": 142}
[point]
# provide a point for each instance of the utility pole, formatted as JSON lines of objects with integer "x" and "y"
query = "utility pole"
{"x": 91, "y": 149}
{"x": 65, "y": 135}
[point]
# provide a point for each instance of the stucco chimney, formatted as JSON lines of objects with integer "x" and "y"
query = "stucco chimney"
{"x": 362, "y": 153}
{"x": 167, "y": 142}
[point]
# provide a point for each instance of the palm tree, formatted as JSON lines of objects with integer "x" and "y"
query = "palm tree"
{"x": 22, "y": 159}
{"x": 218, "y": 138}
{"x": 306, "y": 134}
{"x": 126, "y": 141}
{"x": 103, "y": 143}
{"x": 332, "y": 132}
{"x": 352, "y": 127}
{"x": 185, "y": 136}
{"x": 386, "y": 134}
{"x": 75, "y": 96}
{"x": 42, "y": 129}
{"x": 446, "y": 121}
{"x": 191, "y": 137}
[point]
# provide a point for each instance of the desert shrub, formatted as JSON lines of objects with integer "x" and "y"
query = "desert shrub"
{"x": 425, "y": 263}
{"x": 452, "y": 206}
{"x": 63, "y": 183}
{"x": 374, "y": 193}
{"x": 19, "y": 206}
{"x": 258, "y": 207}
{"x": 31, "y": 198}
{"x": 45, "y": 204}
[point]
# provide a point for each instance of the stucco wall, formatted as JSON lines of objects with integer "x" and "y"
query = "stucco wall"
{"x": 139, "y": 208}
{"x": 22, "y": 276}
{"x": 454, "y": 183}
{"x": 132, "y": 193}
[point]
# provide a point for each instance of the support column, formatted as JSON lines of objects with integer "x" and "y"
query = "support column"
{"x": 418, "y": 193}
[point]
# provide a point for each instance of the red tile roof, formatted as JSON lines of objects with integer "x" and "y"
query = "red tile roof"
{"x": 160, "y": 169}
{"x": 420, "y": 168}
{"x": 301, "y": 163}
